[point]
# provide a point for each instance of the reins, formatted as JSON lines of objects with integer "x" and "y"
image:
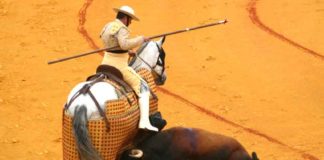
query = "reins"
{"x": 151, "y": 67}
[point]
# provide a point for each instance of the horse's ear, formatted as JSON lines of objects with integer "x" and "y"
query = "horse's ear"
{"x": 161, "y": 41}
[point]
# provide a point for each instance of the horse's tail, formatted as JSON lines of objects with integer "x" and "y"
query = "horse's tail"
{"x": 80, "y": 130}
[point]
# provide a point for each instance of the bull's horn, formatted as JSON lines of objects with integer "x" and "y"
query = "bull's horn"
{"x": 136, "y": 153}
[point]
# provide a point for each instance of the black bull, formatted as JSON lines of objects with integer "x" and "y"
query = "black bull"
{"x": 188, "y": 144}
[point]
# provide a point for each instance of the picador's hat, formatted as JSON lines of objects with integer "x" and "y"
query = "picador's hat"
{"x": 128, "y": 11}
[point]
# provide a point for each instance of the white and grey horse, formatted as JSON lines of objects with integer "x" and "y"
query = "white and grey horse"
{"x": 83, "y": 108}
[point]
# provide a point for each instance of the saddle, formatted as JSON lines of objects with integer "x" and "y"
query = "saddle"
{"x": 110, "y": 69}
{"x": 112, "y": 74}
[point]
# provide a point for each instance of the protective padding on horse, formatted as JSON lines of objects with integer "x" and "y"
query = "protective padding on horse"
{"x": 147, "y": 76}
{"x": 123, "y": 121}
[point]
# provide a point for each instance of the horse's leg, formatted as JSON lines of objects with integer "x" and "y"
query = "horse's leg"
{"x": 80, "y": 130}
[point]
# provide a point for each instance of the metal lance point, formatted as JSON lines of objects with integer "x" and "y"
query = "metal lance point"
{"x": 223, "y": 21}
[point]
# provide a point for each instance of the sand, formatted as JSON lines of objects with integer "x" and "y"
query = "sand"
{"x": 258, "y": 78}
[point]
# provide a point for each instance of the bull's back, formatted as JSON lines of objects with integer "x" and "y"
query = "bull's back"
{"x": 203, "y": 144}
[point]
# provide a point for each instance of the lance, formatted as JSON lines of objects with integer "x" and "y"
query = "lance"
{"x": 152, "y": 37}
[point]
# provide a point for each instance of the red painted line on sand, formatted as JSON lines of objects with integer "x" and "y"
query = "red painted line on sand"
{"x": 249, "y": 130}
{"x": 82, "y": 20}
{"x": 256, "y": 20}
{"x": 218, "y": 117}
{"x": 84, "y": 33}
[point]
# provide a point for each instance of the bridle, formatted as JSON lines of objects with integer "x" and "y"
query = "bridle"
{"x": 158, "y": 63}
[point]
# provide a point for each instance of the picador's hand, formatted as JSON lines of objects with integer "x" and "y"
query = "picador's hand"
{"x": 131, "y": 53}
{"x": 146, "y": 39}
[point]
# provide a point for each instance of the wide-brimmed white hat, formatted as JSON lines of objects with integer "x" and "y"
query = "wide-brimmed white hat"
{"x": 128, "y": 11}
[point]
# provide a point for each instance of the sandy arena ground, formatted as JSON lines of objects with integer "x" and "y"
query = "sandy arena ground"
{"x": 258, "y": 78}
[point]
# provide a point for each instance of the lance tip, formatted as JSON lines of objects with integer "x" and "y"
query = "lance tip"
{"x": 223, "y": 21}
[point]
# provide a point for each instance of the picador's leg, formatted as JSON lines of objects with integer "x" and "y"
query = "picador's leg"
{"x": 144, "y": 104}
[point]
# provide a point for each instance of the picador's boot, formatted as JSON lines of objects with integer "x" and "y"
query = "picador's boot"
{"x": 144, "y": 104}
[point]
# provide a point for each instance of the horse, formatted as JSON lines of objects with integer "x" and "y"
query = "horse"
{"x": 179, "y": 143}
{"x": 87, "y": 100}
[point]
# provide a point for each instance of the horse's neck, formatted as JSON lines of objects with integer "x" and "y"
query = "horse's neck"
{"x": 146, "y": 55}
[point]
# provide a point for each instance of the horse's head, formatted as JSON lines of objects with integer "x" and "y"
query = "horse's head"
{"x": 152, "y": 57}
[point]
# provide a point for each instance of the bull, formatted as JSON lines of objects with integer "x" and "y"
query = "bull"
{"x": 180, "y": 143}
